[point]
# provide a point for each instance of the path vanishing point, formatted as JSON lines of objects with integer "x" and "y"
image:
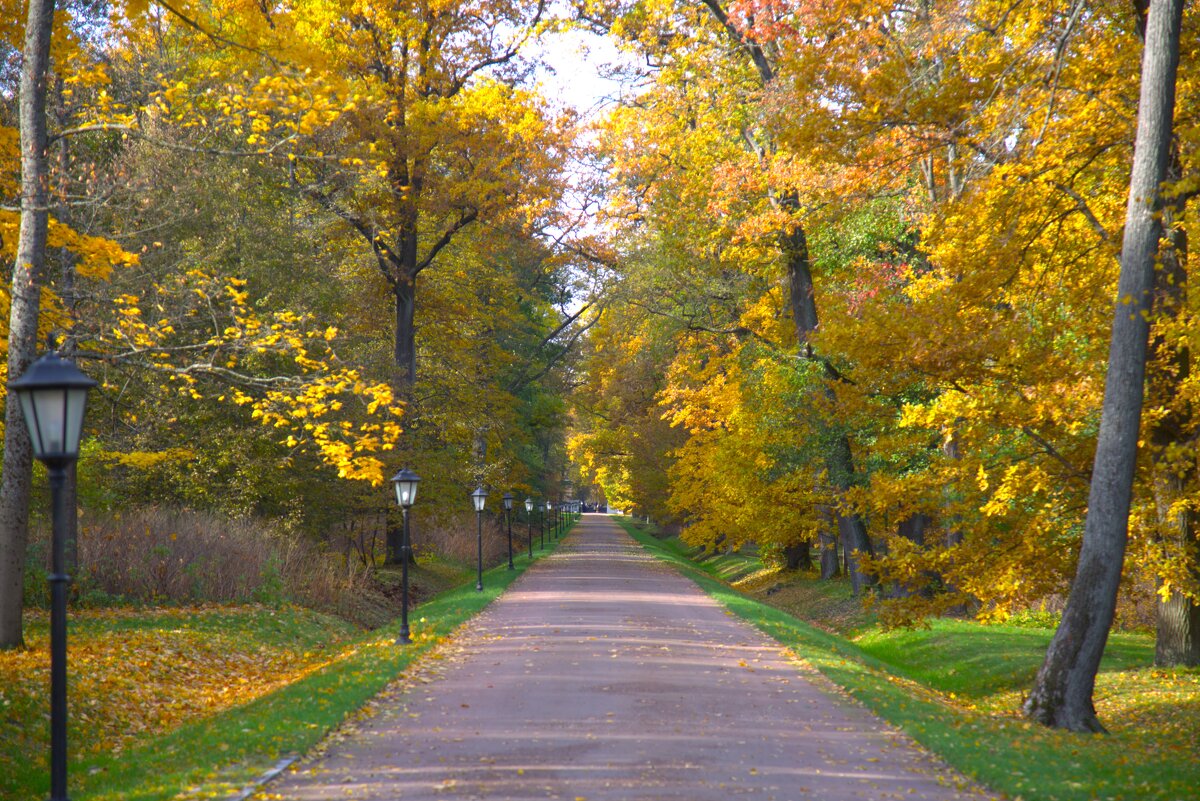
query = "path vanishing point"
{"x": 604, "y": 674}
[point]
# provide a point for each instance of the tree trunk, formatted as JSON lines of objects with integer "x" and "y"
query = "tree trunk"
{"x": 853, "y": 534}
{"x": 839, "y": 460}
{"x": 406, "y": 330}
{"x": 954, "y": 534}
{"x": 70, "y": 300}
{"x": 1062, "y": 692}
{"x": 16, "y": 473}
{"x": 827, "y": 541}
{"x": 393, "y": 533}
{"x": 798, "y": 556}
{"x": 913, "y": 529}
{"x": 1177, "y": 640}
{"x": 794, "y": 245}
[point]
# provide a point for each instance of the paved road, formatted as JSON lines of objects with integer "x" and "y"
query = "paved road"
{"x": 603, "y": 674}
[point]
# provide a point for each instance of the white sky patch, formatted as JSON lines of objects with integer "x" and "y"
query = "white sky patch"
{"x": 582, "y": 71}
{"x": 575, "y": 65}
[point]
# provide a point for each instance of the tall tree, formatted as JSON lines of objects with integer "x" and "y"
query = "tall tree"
{"x": 25, "y": 300}
{"x": 1062, "y": 693}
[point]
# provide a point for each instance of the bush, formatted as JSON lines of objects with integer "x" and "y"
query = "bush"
{"x": 454, "y": 536}
{"x": 175, "y": 556}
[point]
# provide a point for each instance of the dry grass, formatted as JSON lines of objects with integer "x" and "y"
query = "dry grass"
{"x": 175, "y": 557}
{"x": 454, "y": 537}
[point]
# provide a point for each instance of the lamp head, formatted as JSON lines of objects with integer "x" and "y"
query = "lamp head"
{"x": 53, "y": 394}
{"x": 405, "y": 483}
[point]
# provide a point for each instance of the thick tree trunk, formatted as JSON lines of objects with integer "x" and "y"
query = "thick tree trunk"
{"x": 1177, "y": 640}
{"x": 16, "y": 475}
{"x": 798, "y": 556}
{"x": 913, "y": 529}
{"x": 406, "y": 330}
{"x": 827, "y": 542}
{"x": 1062, "y": 692}
{"x": 853, "y": 534}
{"x": 839, "y": 461}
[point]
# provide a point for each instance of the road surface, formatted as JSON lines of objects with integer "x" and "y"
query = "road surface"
{"x": 603, "y": 674}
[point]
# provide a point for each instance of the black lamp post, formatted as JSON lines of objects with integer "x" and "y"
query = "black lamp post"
{"x": 53, "y": 395}
{"x": 550, "y": 518}
{"x": 405, "y": 483}
{"x": 508, "y": 499}
{"x": 479, "y": 498}
{"x": 529, "y": 522}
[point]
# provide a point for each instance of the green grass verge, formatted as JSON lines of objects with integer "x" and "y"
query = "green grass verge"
{"x": 1022, "y": 760}
{"x": 214, "y": 757}
{"x": 977, "y": 661}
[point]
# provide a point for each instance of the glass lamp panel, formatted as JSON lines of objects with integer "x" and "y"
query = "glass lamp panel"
{"x": 76, "y": 406}
{"x": 528, "y": 505}
{"x": 49, "y": 416}
{"x": 29, "y": 410}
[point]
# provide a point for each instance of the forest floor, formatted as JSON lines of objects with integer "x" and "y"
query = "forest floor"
{"x": 956, "y": 686}
{"x": 198, "y": 701}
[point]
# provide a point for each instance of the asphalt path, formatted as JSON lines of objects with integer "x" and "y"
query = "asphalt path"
{"x": 603, "y": 674}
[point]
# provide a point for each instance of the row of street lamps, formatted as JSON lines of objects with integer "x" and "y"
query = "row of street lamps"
{"x": 405, "y": 483}
{"x": 53, "y": 397}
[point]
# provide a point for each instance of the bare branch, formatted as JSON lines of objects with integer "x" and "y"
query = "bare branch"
{"x": 466, "y": 217}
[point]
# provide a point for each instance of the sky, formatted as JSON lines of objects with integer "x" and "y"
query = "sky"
{"x": 575, "y": 61}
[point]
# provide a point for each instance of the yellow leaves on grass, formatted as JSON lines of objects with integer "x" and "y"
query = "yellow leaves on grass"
{"x": 127, "y": 683}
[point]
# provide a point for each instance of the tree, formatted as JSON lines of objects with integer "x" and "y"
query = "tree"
{"x": 24, "y": 301}
{"x": 1062, "y": 693}
{"x": 426, "y": 134}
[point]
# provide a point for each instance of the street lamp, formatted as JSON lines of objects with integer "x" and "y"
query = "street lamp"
{"x": 549, "y": 509}
{"x": 508, "y": 499}
{"x": 479, "y": 498}
{"x": 53, "y": 395}
{"x": 529, "y": 522}
{"x": 405, "y": 483}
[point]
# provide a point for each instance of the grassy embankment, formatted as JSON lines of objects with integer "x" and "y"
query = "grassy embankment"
{"x": 956, "y": 687}
{"x": 198, "y": 702}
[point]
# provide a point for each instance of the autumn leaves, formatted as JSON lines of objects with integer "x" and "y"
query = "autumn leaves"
{"x": 871, "y": 258}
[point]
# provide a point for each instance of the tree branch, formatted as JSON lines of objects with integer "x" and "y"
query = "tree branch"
{"x": 466, "y": 217}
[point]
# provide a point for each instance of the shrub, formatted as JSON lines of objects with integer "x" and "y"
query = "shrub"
{"x": 454, "y": 536}
{"x": 155, "y": 555}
